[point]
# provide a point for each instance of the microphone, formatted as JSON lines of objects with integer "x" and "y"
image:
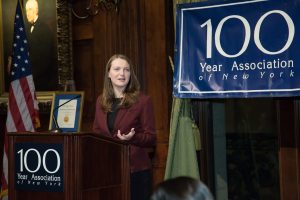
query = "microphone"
{"x": 57, "y": 129}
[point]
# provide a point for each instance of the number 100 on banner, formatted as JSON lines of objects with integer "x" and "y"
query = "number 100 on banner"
{"x": 237, "y": 49}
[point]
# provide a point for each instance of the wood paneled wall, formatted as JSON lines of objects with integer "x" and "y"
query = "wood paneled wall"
{"x": 142, "y": 30}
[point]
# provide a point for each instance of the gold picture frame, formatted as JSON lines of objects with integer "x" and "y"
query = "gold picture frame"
{"x": 61, "y": 18}
{"x": 66, "y": 112}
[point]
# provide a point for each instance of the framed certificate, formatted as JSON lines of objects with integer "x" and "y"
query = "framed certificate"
{"x": 66, "y": 111}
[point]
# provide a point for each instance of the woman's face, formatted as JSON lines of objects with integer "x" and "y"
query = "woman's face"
{"x": 119, "y": 73}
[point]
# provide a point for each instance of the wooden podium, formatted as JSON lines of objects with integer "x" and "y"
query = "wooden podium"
{"x": 91, "y": 166}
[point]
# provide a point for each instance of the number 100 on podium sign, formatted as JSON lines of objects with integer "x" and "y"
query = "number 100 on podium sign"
{"x": 39, "y": 167}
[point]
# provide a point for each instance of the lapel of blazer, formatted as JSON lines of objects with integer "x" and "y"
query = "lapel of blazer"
{"x": 120, "y": 116}
{"x": 105, "y": 124}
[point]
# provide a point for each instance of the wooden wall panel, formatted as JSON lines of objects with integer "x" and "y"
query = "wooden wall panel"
{"x": 139, "y": 31}
{"x": 157, "y": 76}
{"x": 84, "y": 79}
{"x": 289, "y": 144}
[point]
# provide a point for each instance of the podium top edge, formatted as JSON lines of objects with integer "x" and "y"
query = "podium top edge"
{"x": 65, "y": 134}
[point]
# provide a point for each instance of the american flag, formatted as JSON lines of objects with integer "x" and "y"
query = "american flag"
{"x": 22, "y": 109}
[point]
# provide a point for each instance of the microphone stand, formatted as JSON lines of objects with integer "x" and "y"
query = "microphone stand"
{"x": 57, "y": 129}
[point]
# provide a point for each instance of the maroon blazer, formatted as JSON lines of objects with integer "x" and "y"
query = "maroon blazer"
{"x": 139, "y": 116}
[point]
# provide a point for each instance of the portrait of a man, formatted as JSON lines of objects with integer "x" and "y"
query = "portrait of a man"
{"x": 40, "y": 24}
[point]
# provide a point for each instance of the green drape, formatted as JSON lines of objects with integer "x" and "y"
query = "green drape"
{"x": 182, "y": 158}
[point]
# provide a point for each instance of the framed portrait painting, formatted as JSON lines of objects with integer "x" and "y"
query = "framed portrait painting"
{"x": 47, "y": 26}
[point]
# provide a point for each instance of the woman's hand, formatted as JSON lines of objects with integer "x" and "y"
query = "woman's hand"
{"x": 126, "y": 136}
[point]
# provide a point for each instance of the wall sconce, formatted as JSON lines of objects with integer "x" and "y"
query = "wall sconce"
{"x": 95, "y": 6}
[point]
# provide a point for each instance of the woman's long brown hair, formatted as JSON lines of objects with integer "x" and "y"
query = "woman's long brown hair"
{"x": 131, "y": 91}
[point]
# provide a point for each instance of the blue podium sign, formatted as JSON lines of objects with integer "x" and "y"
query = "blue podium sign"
{"x": 237, "y": 49}
{"x": 39, "y": 167}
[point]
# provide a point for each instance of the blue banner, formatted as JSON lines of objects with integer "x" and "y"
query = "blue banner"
{"x": 234, "y": 49}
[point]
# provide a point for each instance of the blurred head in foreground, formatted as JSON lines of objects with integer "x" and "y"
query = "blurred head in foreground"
{"x": 181, "y": 188}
